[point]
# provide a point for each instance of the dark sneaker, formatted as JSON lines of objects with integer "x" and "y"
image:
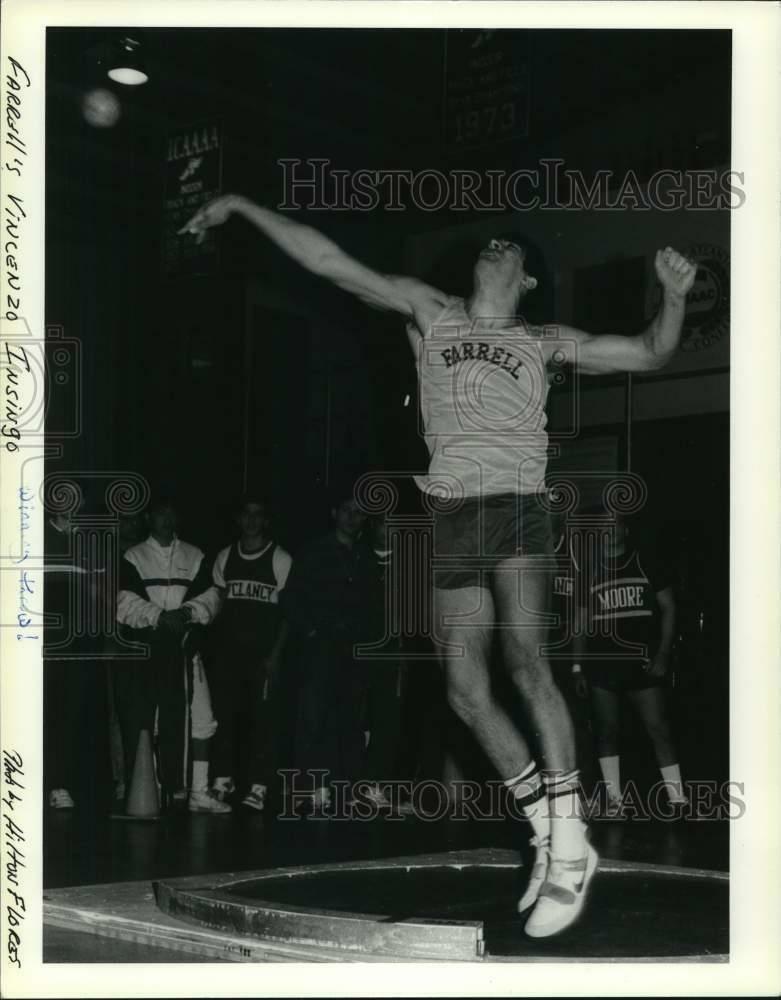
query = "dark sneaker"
{"x": 255, "y": 798}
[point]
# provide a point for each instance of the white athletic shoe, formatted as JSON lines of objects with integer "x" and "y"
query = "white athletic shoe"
{"x": 562, "y": 895}
{"x": 612, "y": 808}
{"x": 321, "y": 800}
{"x": 538, "y": 873}
{"x": 60, "y": 798}
{"x": 206, "y": 802}
{"x": 256, "y": 797}
{"x": 376, "y": 796}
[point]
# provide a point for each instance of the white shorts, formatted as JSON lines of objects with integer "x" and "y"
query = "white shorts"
{"x": 204, "y": 725}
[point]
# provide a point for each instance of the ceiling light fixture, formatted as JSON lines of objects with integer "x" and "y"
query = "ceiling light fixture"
{"x": 127, "y": 65}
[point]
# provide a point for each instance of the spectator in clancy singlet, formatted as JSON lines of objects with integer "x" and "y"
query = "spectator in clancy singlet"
{"x": 249, "y": 574}
{"x": 483, "y": 385}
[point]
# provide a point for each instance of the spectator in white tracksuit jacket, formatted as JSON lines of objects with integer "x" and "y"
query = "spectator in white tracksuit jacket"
{"x": 166, "y": 595}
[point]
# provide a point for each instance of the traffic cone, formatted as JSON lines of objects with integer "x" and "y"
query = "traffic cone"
{"x": 143, "y": 801}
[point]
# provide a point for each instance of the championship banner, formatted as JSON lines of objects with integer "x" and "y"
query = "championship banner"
{"x": 486, "y": 87}
{"x": 193, "y": 177}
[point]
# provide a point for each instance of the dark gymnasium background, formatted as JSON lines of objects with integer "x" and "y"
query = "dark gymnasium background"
{"x": 199, "y": 373}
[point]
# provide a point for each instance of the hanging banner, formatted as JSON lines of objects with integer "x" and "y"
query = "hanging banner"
{"x": 193, "y": 177}
{"x": 486, "y": 87}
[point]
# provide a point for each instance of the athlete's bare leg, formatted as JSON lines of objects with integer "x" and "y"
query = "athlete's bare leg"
{"x": 521, "y": 587}
{"x": 464, "y": 622}
{"x": 521, "y": 591}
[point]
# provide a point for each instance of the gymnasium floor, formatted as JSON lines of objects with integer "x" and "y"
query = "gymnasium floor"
{"x": 80, "y": 851}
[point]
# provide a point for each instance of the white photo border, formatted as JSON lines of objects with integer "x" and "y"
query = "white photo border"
{"x": 755, "y": 690}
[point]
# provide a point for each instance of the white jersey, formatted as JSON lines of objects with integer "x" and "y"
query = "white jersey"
{"x": 482, "y": 394}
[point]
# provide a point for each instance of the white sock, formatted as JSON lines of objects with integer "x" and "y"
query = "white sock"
{"x": 529, "y": 792}
{"x": 568, "y": 831}
{"x": 611, "y": 772}
{"x": 671, "y": 775}
{"x": 200, "y": 776}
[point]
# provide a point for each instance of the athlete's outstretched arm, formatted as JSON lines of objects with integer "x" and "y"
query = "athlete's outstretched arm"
{"x": 320, "y": 255}
{"x": 652, "y": 349}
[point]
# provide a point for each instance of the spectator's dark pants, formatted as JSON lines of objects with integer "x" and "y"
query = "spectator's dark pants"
{"x": 75, "y": 731}
{"x": 331, "y": 710}
{"x": 142, "y": 686}
{"x": 75, "y": 710}
{"x": 243, "y": 742}
{"x": 383, "y": 718}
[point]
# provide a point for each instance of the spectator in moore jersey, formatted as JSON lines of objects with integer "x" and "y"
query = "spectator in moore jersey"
{"x": 166, "y": 597}
{"x": 630, "y": 611}
{"x": 249, "y": 574}
{"x": 564, "y": 642}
